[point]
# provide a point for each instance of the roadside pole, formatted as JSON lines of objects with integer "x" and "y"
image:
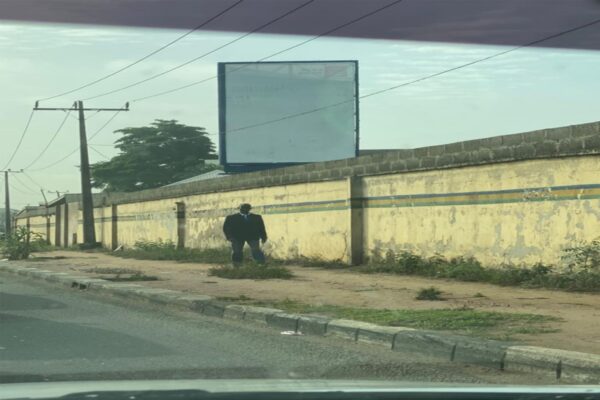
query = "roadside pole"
{"x": 7, "y": 219}
{"x": 89, "y": 233}
{"x": 47, "y": 216}
{"x": 7, "y": 213}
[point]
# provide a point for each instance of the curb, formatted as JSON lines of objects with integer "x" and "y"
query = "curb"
{"x": 561, "y": 364}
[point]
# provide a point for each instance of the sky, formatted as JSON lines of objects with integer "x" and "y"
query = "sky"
{"x": 527, "y": 89}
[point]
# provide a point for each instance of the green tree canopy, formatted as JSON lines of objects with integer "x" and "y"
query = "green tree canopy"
{"x": 155, "y": 155}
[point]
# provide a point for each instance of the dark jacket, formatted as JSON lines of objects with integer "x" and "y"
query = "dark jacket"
{"x": 238, "y": 228}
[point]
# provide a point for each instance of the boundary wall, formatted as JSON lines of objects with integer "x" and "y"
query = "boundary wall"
{"x": 518, "y": 198}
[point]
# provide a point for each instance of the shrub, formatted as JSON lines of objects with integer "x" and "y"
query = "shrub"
{"x": 18, "y": 245}
{"x": 464, "y": 269}
{"x": 585, "y": 256}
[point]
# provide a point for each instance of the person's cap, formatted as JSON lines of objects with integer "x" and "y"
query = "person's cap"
{"x": 245, "y": 206}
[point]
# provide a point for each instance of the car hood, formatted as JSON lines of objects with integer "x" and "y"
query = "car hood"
{"x": 94, "y": 389}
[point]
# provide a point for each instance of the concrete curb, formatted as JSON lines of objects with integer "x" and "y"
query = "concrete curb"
{"x": 561, "y": 364}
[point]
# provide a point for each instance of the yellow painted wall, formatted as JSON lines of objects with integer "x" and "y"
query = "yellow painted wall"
{"x": 518, "y": 212}
{"x": 151, "y": 220}
{"x": 52, "y": 229}
{"x": 525, "y": 231}
{"x": 299, "y": 218}
{"x": 72, "y": 218}
{"x": 302, "y": 228}
{"x": 104, "y": 226}
{"x": 37, "y": 225}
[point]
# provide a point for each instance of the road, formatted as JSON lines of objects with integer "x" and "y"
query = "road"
{"x": 51, "y": 333}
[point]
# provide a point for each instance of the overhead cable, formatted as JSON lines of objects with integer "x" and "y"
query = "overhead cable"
{"x": 50, "y": 142}
{"x": 423, "y": 78}
{"x": 77, "y": 148}
{"x": 327, "y": 32}
{"x": 146, "y": 56}
{"x": 20, "y": 140}
{"x": 202, "y": 55}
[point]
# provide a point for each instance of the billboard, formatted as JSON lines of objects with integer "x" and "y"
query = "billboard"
{"x": 284, "y": 113}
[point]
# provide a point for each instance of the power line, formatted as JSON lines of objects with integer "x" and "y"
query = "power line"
{"x": 93, "y": 115}
{"x": 30, "y": 190}
{"x": 146, "y": 56}
{"x": 203, "y": 55}
{"x": 51, "y": 140}
{"x": 20, "y": 140}
{"x": 32, "y": 180}
{"x": 99, "y": 152}
{"x": 377, "y": 10}
{"x": 418, "y": 79}
{"x": 77, "y": 148}
{"x": 13, "y": 187}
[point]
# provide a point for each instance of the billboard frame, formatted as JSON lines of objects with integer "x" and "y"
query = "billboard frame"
{"x": 249, "y": 167}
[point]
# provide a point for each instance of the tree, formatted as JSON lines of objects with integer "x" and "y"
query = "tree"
{"x": 155, "y": 155}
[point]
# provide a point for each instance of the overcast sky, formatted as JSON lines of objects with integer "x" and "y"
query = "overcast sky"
{"x": 525, "y": 90}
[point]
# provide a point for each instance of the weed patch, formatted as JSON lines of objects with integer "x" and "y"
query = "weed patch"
{"x": 581, "y": 275}
{"x": 146, "y": 250}
{"x": 139, "y": 277}
{"x": 108, "y": 270}
{"x": 251, "y": 272}
{"x": 167, "y": 250}
{"x": 431, "y": 293}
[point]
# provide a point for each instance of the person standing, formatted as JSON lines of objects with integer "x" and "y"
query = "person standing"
{"x": 245, "y": 227}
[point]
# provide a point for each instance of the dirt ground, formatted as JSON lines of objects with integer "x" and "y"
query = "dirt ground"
{"x": 579, "y": 330}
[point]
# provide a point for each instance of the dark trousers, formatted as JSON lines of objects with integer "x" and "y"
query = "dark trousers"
{"x": 237, "y": 254}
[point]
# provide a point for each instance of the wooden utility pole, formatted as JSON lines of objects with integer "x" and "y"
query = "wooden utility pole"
{"x": 7, "y": 213}
{"x": 89, "y": 233}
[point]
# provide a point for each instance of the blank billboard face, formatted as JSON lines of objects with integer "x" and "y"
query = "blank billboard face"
{"x": 255, "y": 96}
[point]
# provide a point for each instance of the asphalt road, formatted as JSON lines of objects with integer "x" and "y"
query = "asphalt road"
{"x": 51, "y": 333}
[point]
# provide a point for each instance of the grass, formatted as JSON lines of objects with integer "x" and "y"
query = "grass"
{"x": 148, "y": 250}
{"x": 487, "y": 324}
{"x": 122, "y": 274}
{"x": 251, "y": 272}
{"x": 431, "y": 293}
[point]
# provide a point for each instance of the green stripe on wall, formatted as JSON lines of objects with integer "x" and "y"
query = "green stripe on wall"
{"x": 527, "y": 195}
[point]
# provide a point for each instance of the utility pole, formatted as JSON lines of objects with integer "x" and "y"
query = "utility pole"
{"x": 89, "y": 233}
{"x": 47, "y": 216}
{"x": 7, "y": 224}
{"x": 7, "y": 213}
